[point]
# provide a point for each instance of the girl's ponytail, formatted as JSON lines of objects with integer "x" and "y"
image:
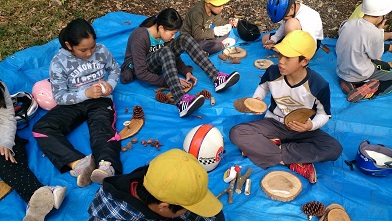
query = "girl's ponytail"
{"x": 169, "y": 18}
{"x": 149, "y": 22}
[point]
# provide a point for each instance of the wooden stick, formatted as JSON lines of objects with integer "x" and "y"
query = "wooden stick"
{"x": 229, "y": 190}
{"x": 241, "y": 180}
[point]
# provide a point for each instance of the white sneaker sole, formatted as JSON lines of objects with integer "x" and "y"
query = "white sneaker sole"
{"x": 58, "y": 196}
{"x": 196, "y": 104}
{"x": 232, "y": 80}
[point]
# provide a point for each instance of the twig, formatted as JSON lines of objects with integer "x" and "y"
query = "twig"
{"x": 241, "y": 180}
{"x": 229, "y": 190}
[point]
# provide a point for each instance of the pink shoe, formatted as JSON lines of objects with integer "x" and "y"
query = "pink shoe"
{"x": 83, "y": 170}
{"x": 105, "y": 170}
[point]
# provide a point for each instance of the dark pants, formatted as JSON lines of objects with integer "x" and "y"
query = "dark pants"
{"x": 18, "y": 175}
{"x": 212, "y": 46}
{"x": 253, "y": 139}
{"x": 51, "y": 130}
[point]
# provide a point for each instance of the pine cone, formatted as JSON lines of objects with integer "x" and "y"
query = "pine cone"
{"x": 138, "y": 112}
{"x": 161, "y": 97}
{"x": 314, "y": 208}
{"x": 206, "y": 94}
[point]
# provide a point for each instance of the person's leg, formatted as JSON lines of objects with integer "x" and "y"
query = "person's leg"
{"x": 254, "y": 139}
{"x": 51, "y": 130}
{"x": 212, "y": 46}
{"x": 104, "y": 140}
{"x": 310, "y": 147}
{"x": 41, "y": 199}
{"x": 18, "y": 175}
{"x": 165, "y": 60}
{"x": 187, "y": 43}
{"x": 383, "y": 74}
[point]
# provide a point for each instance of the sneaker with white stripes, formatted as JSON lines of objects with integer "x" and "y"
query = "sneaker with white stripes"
{"x": 189, "y": 104}
{"x": 223, "y": 81}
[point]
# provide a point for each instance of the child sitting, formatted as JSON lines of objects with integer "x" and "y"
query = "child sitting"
{"x": 295, "y": 16}
{"x": 292, "y": 85}
{"x": 204, "y": 23}
{"x": 152, "y": 49}
{"x": 362, "y": 74}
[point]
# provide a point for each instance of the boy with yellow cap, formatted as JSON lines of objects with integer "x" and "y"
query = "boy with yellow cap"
{"x": 292, "y": 86}
{"x": 205, "y": 24}
{"x": 173, "y": 186}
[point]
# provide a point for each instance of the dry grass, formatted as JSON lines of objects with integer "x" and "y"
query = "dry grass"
{"x": 25, "y": 23}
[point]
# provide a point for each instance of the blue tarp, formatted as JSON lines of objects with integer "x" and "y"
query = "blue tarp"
{"x": 364, "y": 197}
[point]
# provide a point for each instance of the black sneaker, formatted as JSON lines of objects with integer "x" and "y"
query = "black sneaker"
{"x": 223, "y": 81}
{"x": 189, "y": 104}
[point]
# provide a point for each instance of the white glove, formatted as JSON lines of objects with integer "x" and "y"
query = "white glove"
{"x": 222, "y": 30}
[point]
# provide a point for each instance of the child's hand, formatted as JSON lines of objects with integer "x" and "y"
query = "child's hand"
{"x": 268, "y": 44}
{"x": 95, "y": 91}
{"x": 191, "y": 77}
{"x": 4, "y": 151}
{"x": 300, "y": 127}
{"x": 184, "y": 83}
{"x": 106, "y": 88}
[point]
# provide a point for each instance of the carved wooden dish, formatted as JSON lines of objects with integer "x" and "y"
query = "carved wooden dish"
{"x": 335, "y": 212}
{"x": 300, "y": 115}
{"x": 281, "y": 185}
{"x": 263, "y": 63}
{"x": 250, "y": 105}
{"x": 235, "y": 52}
{"x": 134, "y": 125}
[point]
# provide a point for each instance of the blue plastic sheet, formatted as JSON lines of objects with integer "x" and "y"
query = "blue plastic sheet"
{"x": 364, "y": 197}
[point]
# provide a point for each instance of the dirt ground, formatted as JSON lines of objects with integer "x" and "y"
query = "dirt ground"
{"x": 332, "y": 12}
{"x": 27, "y": 23}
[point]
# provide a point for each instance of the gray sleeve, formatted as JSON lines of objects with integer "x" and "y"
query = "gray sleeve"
{"x": 7, "y": 122}
{"x": 112, "y": 68}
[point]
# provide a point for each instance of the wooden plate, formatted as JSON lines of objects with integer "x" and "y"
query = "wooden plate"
{"x": 235, "y": 52}
{"x": 300, "y": 115}
{"x": 281, "y": 185}
{"x": 263, "y": 63}
{"x": 5, "y": 189}
{"x": 239, "y": 105}
{"x": 335, "y": 212}
{"x": 250, "y": 105}
{"x": 255, "y": 105}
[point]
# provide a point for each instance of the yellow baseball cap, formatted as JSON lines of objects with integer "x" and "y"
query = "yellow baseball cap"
{"x": 297, "y": 43}
{"x": 176, "y": 177}
{"x": 217, "y": 2}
